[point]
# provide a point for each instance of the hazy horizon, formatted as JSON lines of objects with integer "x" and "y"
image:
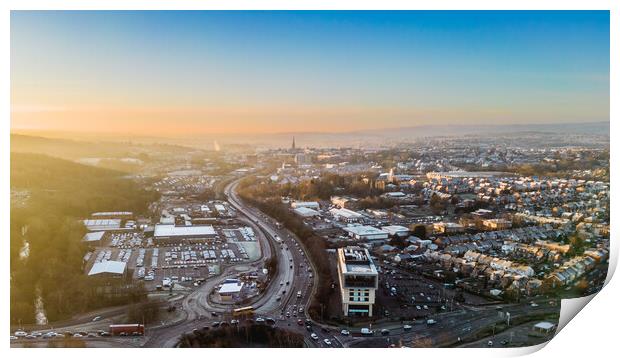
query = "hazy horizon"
{"x": 183, "y": 73}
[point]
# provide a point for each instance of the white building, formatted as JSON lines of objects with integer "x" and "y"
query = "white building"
{"x": 306, "y": 212}
{"x": 305, "y": 204}
{"x": 172, "y": 232}
{"x": 346, "y": 215}
{"x": 93, "y": 237}
{"x": 363, "y": 232}
{"x": 396, "y": 230}
{"x": 358, "y": 279}
{"x": 102, "y": 224}
{"x": 108, "y": 268}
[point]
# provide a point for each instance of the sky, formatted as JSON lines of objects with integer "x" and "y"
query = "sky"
{"x": 188, "y": 72}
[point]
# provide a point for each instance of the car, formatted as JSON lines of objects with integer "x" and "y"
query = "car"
{"x": 385, "y": 332}
{"x": 345, "y": 332}
{"x": 288, "y": 315}
{"x": 504, "y": 342}
{"x": 13, "y": 338}
{"x": 234, "y": 321}
{"x": 489, "y": 343}
{"x": 213, "y": 314}
{"x": 425, "y": 307}
{"x": 105, "y": 334}
{"x": 91, "y": 334}
{"x": 30, "y": 336}
{"x": 300, "y": 322}
{"x": 122, "y": 334}
{"x": 300, "y": 310}
{"x": 309, "y": 328}
{"x": 534, "y": 304}
{"x": 224, "y": 324}
{"x": 36, "y": 334}
{"x": 98, "y": 318}
{"x": 215, "y": 324}
{"x": 314, "y": 336}
{"x": 260, "y": 320}
{"x": 270, "y": 320}
{"x": 281, "y": 283}
{"x": 20, "y": 334}
{"x": 407, "y": 327}
{"x": 49, "y": 335}
{"x": 327, "y": 342}
{"x": 418, "y": 307}
{"x": 77, "y": 335}
{"x": 136, "y": 333}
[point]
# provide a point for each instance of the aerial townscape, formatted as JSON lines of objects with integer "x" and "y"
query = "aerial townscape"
{"x": 306, "y": 179}
{"x": 421, "y": 244}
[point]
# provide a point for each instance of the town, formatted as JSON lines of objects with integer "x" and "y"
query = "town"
{"x": 435, "y": 243}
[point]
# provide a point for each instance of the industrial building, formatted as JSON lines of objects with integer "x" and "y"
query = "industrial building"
{"x": 306, "y": 212}
{"x": 346, "y": 215}
{"x": 358, "y": 279}
{"x": 93, "y": 238}
{"x": 108, "y": 269}
{"x": 102, "y": 224}
{"x": 171, "y": 233}
{"x": 363, "y": 232}
{"x": 231, "y": 290}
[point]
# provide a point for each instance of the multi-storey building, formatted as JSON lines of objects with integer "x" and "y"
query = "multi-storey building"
{"x": 358, "y": 281}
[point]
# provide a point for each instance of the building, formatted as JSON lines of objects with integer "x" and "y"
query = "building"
{"x": 167, "y": 232}
{"x": 497, "y": 224}
{"x": 108, "y": 269}
{"x": 358, "y": 279}
{"x": 231, "y": 290}
{"x": 396, "y": 230}
{"x": 306, "y": 212}
{"x": 343, "y": 201}
{"x": 448, "y": 228}
{"x": 305, "y": 204}
{"x": 102, "y": 224}
{"x": 363, "y": 232}
{"x": 93, "y": 238}
{"x": 346, "y": 215}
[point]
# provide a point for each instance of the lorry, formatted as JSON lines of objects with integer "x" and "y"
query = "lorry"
{"x": 132, "y": 329}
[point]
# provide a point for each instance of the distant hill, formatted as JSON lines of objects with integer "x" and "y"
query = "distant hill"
{"x": 77, "y": 149}
{"x": 72, "y": 188}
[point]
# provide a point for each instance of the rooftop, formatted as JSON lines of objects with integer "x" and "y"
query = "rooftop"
{"x": 112, "y": 267}
{"x": 167, "y": 230}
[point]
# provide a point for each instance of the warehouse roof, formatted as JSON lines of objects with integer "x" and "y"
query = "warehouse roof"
{"x": 94, "y": 236}
{"x": 112, "y": 267}
{"x": 167, "y": 230}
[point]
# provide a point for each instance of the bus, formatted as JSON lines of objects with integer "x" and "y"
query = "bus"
{"x": 243, "y": 311}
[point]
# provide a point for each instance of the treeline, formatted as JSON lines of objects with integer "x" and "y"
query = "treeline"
{"x": 314, "y": 189}
{"x": 253, "y": 336}
{"x": 61, "y": 193}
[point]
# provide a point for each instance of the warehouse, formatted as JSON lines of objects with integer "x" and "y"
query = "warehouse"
{"x": 306, "y": 212}
{"x": 363, "y": 232}
{"x": 168, "y": 233}
{"x": 94, "y": 238}
{"x": 108, "y": 269}
{"x": 102, "y": 224}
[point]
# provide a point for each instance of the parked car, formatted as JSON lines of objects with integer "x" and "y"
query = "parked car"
{"x": 314, "y": 336}
{"x": 345, "y": 332}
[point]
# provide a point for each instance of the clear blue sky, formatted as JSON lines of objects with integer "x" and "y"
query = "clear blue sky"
{"x": 288, "y": 71}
